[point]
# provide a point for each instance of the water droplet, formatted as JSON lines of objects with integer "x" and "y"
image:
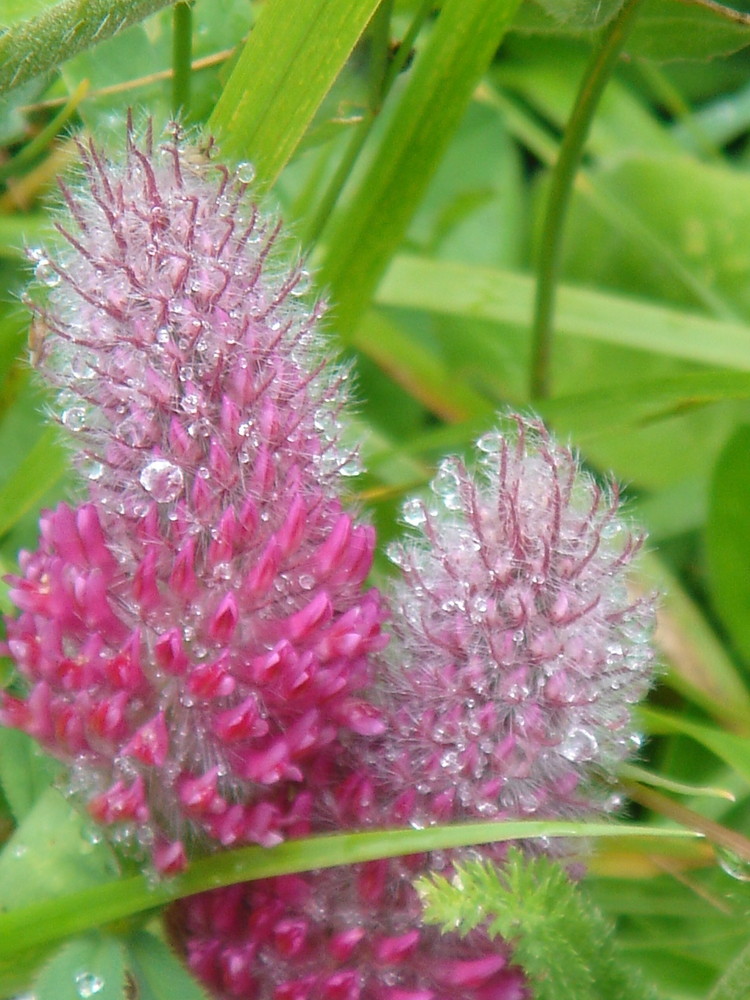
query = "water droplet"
{"x": 244, "y": 429}
{"x": 45, "y": 272}
{"x": 413, "y": 513}
{"x": 302, "y": 286}
{"x": 190, "y": 403}
{"x": 490, "y": 442}
{"x": 352, "y": 466}
{"x": 579, "y": 745}
{"x": 88, "y": 984}
{"x": 731, "y": 863}
{"x": 306, "y": 581}
{"x": 93, "y": 470}
{"x": 162, "y": 480}
{"x": 245, "y": 172}
{"x": 74, "y": 418}
{"x": 447, "y": 483}
{"x": 162, "y": 335}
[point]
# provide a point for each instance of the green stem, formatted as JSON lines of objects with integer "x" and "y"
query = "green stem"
{"x": 39, "y": 44}
{"x": 378, "y": 37}
{"x": 362, "y": 131}
{"x": 182, "y": 55}
{"x": 561, "y": 185}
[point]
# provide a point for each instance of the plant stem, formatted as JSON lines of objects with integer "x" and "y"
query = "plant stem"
{"x": 182, "y": 51}
{"x": 595, "y": 79}
{"x": 327, "y": 203}
{"x": 39, "y": 44}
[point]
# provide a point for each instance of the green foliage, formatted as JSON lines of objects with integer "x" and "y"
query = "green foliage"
{"x": 733, "y": 984}
{"x": 57, "y": 30}
{"x": 419, "y": 176}
{"x": 580, "y": 14}
{"x": 728, "y": 539}
{"x": 286, "y": 68}
{"x": 556, "y": 934}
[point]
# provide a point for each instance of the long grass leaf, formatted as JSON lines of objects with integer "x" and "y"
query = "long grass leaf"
{"x": 288, "y": 65}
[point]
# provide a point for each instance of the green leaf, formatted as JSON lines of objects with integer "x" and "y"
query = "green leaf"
{"x": 581, "y": 15}
{"x": 13, "y": 11}
{"x": 623, "y": 123}
{"x": 732, "y": 985}
{"x": 25, "y": 771}
{"x": 157, "y": 972}
{"x": 733, "y": 750}
{"x": 60, "y": 30}
{"x": 501, "y": 296}
{"x": 638, "y": 403}
{"x": 88, "y": 967}
{"x": 41, "y": 470}
{"x": 644, "y": 777}
{"x": 48, "y": 920}
{"x": 703, "y": 212}
{"x": 144, "y": 52}
{"x": 728, "y": 539}
{"x": 368, "y": 231}
{"x": 560, "y": 940}
{"x": 670, "y": 29}
{"x": 288, "y": 65}
{"x": 49, "y": 855}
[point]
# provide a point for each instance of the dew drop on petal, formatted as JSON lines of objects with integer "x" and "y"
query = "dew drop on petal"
{"x": 413, "y": 513}
{"x": 579, "y": 745}
{"x": 162, "y": 480}
{"x": 45, "y": 273}
{"x": 74, "y": 418}
{"x": 88, "y": 984}
{"x": 352, "y": 467}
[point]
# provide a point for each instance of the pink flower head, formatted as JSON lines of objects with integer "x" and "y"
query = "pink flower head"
{"x": 194, "y": 635}
{"x": 506, "y": 693}
{"x": 342, "y": 934}
{"x": 517, "y": 650}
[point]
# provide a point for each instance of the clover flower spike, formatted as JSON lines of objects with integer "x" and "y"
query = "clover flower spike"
{"x": 194, "y": 632}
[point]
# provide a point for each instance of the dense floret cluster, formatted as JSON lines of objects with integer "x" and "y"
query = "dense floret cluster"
{"x": 195, "y": 632}
{"x": 195, "y": 639}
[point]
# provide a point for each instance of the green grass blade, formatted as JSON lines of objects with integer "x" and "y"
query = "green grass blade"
{"x": 288, "y": 65}
{"x": 701, "y": 668}
{"x": 483, "y": 293}
{"x": 365, "y": 236}
{"x": 51, "y": 920}
{"x": 733, "y": 750}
